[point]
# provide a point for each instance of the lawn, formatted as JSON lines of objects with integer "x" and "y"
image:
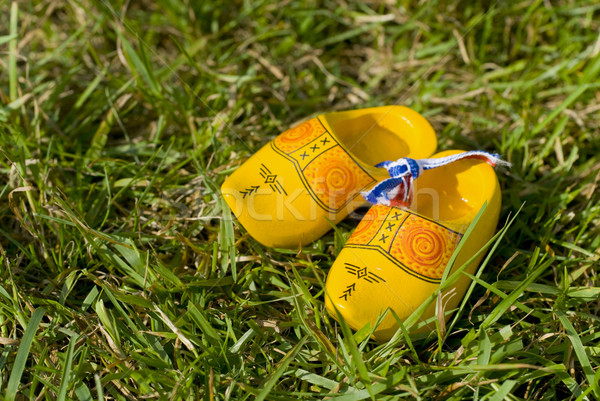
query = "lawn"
{"x": 124, "y": 277}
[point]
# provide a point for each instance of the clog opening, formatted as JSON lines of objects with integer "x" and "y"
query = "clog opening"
{"x": 373, "y": 137}
{"x": 454, "y": 192}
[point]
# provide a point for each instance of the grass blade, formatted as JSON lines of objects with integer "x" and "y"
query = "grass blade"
{"x": 66, "y": 377}
{"x": 138, "y": 66}
{"x": 12, "y": 52}
{"x": 479, "y": 271}
{"x": 285, "y": 362}
{"x": 23, "y": 353}
{"x": 514, "y": 295}
{"x": 566, "y": 103}
{"x": 357, "y": 359}
{"x": 579, "y": 351}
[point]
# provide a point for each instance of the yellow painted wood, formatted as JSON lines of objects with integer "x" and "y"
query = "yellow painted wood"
{"x": 396, "y": 257}
{"x": 285, "y": 194}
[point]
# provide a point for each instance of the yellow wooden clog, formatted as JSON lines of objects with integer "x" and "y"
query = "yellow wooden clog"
{"x": 396, "y": 256}
{"x": 285, "y": 194}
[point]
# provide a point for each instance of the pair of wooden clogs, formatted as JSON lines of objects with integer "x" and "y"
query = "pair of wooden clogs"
{"x": 311, "y": 176}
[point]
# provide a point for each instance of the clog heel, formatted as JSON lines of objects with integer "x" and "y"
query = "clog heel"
{"x": 290, "y": 192}
{"x": 396, "y": 256}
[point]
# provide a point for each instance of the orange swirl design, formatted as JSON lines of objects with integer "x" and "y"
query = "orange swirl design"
{"x": 368, "y": 226}
{"x": 339, "y": 180}
{"x": 335, "y": 178}
{"x": 424, "y": 247}
{"x": 300, "y": 135}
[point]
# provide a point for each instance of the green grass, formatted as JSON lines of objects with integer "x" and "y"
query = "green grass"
{"x": 123, "y": 277}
